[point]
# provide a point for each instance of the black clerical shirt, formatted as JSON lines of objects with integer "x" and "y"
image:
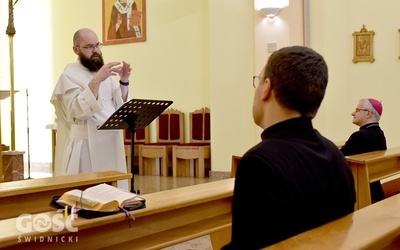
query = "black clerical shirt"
{"x": 292, "y": 181}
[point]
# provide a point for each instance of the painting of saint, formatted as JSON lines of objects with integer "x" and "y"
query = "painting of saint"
{"x": 124, "y": 21}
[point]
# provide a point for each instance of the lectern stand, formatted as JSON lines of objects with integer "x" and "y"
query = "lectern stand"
{"x": 136, "y": 113}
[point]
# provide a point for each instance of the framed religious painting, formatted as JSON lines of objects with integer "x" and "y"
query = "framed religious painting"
{"x": 363, "y": 46}
{"x": 124, "y": 21}
{"x": 398, "y": 31}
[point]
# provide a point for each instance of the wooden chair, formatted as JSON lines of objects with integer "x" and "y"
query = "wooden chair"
{"x": 170, "y": 131}
{"x": 198, "y": 149}
{"x": 142, "y": 135}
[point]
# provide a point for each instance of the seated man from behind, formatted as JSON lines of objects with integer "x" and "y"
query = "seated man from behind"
{"x": 294, "y": 179}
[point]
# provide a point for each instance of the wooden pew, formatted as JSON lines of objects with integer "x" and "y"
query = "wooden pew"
{"x": 170, "y": 217}
{"x": 370, "y": 167}
{"x": 235, "y": 162}
{"x": 374, "y": 227}
{"x": 34, "y": 195}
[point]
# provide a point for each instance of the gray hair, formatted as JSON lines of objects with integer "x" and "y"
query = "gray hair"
{"x": 368, "y": 105}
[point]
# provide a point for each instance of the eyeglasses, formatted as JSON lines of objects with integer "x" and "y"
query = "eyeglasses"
{"x": 358, "y": 110}
{"x": 256, "y": 81}
{"x": 91, "y": 46}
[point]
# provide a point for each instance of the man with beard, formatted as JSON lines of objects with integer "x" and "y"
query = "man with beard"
{"x": 85, "y": 95}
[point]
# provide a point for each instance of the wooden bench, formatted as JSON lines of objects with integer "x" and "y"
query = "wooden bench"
{"x": 170, "y": 217}
{"x": 374, "y": 227}
{"x": 34, "y": 195}
{"x": 371, "y": 167}
{"x": 235, "y": 162}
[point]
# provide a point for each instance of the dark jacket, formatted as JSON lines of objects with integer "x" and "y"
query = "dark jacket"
{"x": 368, "y": 138}
{"x": 292, "y": 181}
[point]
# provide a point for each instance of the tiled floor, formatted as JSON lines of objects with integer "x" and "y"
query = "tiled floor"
{"x": 202, "y": 243}
{"x": 150, "y": 184}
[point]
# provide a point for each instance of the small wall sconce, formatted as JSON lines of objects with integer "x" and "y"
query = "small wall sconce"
{"x": 270, "y": 12}
{"x": 271, "y": 8}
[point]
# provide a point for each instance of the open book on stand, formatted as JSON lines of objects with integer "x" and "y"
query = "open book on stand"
{"x": 101, "y": 198}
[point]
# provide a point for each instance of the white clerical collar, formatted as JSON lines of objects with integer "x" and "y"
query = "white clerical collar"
{"x": 124, "y": 9}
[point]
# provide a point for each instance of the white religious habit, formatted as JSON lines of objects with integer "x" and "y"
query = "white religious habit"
{"x": 80, "y": 146}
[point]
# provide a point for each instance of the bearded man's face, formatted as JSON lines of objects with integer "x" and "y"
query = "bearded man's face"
{"x": 92, "y": 63}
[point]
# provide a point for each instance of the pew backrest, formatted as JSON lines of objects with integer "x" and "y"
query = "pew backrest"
{"x": 34, "y": 195}
{"x": 373, "y": 227}
{"x": 370, "y": 167}
{"x": 170, "y": 217}
{"x": 381, "y": 164}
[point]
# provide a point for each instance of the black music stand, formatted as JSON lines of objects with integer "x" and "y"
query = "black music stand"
{"x": 136, "y": 113}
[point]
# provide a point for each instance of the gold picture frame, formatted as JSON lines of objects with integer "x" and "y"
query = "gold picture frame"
{"x": 399, "y": 32}
{"x": 124, "y": 21}
{"x": 363, "y": 45}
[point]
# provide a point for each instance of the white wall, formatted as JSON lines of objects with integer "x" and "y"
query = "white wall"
{"x": 33, "y": 71}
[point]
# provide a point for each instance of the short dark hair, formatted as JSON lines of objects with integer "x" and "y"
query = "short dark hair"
{"x": 299, "y": 77}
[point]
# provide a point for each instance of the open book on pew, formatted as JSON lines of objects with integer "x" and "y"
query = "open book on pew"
{"x": 101, "y": 198}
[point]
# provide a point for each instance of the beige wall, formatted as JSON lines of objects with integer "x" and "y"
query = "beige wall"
{"x": 204, "y": 53}
{"x": 284, "y": 30}
{"x": 231, "y": 68}
{"x": 171, "y": 65}
{"x": 331, "y": 26}
{"x": 191, "y": 46}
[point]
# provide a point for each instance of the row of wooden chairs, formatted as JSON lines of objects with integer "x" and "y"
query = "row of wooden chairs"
{"x": 175, "y": 157}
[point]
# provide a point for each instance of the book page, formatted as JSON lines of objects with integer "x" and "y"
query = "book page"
{"x": 105, "y": 193}
{"x": 87, "y": 202}
{"x": 102, "y": 197}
